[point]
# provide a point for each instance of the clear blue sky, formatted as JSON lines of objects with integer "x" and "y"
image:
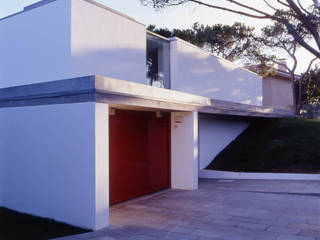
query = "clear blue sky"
{"x": 174, "y": 17}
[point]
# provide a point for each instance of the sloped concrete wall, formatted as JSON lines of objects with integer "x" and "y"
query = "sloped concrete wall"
{"x": 215, "y": 134}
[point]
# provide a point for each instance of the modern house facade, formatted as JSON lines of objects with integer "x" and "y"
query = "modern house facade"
{"x": 95, "y": 110}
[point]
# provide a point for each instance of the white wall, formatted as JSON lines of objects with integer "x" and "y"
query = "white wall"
{"x": 184, "y": 150}
{"x": 54, "y": 162}
{"x": 198, "y": 72}
{"x": 70, "y": 38}
{"x": 107, "y": 44}
{"x": 35, "y": 45}
{"x": 215, "y": 134}
{"x": 101, "y": 165}
{"x": 1, "y": 167}
{"x": 277, "y": 92}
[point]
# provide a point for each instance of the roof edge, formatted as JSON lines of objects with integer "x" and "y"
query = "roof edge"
{"x": 157, "y": 35}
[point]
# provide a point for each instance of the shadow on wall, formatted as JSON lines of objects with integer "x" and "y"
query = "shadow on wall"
{"x": 125, "y": 64}
{"x": 204, "y": 74}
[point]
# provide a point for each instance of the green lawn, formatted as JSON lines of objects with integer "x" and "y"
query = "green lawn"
{"x": 14, "y": 225}
{"x": 274, "y": 145}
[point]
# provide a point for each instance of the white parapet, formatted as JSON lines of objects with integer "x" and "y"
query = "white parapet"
{"x": 184, "y": 150}
{"x": 199, "y": 72}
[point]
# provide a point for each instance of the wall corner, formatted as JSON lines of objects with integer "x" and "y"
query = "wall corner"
{"x": 173, "y": 63}
{"x": 101, "y": 194}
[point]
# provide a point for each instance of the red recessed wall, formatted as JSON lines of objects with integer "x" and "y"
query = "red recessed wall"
{"x": 139, "y": 154}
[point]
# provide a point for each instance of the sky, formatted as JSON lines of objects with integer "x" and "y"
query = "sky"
{"x": 174, "y": 17}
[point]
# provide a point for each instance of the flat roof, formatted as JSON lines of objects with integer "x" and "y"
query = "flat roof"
{"x": 130, "y": 95}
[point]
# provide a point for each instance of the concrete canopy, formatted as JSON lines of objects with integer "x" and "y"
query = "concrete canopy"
{"x": 118, "y": 93}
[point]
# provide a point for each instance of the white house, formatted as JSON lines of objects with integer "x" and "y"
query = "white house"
{"x": 82, "y": 129}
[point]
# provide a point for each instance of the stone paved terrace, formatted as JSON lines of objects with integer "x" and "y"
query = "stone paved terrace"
{"x": 220, "y": 209}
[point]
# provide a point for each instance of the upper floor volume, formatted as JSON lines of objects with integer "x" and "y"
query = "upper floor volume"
{"x": 61, "y": 39}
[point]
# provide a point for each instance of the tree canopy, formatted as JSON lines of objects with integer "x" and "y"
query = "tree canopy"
{"x": 310, "y": 87}
{"x": 295, "y": 15}
{"x": 232, "y": 42}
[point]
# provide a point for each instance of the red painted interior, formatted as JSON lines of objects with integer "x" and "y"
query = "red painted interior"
{"x": 139, "y": 154}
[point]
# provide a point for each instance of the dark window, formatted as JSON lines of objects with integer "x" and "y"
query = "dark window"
{"x": 158, "y": 62}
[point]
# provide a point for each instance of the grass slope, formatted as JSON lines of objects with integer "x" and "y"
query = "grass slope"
{"x": 14, "y": 225}
{"x": 274, "y": 145}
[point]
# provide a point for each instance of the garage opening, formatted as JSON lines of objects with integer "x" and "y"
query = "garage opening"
{"x": 139, "y": 153}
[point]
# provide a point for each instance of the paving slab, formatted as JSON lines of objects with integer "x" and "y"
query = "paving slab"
{"x": 224, "y": 210}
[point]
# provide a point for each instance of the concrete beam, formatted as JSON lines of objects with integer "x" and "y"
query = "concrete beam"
{"x": 118, "y": 92}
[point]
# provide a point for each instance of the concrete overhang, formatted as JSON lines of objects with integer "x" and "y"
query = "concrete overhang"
{"x": 129, "y": 95}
